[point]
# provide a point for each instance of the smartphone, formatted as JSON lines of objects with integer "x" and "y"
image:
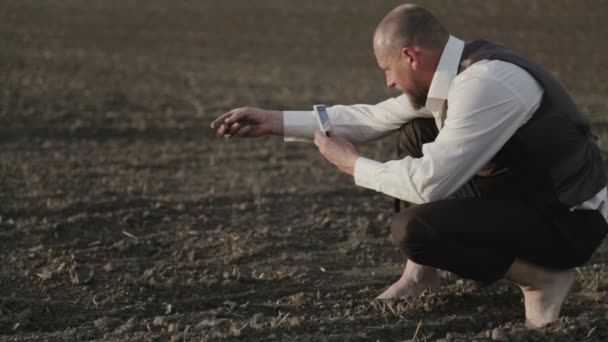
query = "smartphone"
{"x": 322, "y": 118}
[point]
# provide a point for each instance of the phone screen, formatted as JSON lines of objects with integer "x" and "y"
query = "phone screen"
{"x": 324, "y": 118}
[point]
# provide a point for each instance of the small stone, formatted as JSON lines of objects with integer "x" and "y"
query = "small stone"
{"x": 149, "y": 273}
{"x": 109, "y": 267}
{"x": 81, "y": 274}
{"x": 106, "y": 322}
{"x": 498, "y": 335}
{"x": 230, "y": 304}
{"x": 206, "y": 323}
{"x": 452, "y": 336}
{"x": 128, "y": 326}
{"x": 298, "y": 299}
{"x": 158, "y": 321}
{"x": 177, "y": 337}
{"x": 173, "y": 327}
{"x": 192, "y": 256}
{"x": 45, "y": 274}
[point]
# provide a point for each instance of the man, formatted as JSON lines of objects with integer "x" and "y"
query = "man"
{"x": 498, "y": 174}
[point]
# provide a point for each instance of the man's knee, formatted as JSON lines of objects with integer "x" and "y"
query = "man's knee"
{"x": 409, "y": 229}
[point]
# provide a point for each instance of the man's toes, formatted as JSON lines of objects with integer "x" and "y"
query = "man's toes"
{"x": 388, "y": 293}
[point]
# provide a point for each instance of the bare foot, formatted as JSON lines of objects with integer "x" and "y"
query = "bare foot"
{"x": 543, "y": 303}
{"x": 415, "y": 280}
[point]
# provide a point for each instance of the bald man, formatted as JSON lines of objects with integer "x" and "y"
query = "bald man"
{"x": 498, "y": 174}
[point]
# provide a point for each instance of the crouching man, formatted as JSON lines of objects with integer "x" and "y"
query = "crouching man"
{"x": 498, "y": 175}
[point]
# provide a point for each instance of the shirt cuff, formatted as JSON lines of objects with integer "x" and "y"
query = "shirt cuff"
{"x": 366, "y": 171}
{"x": 298, "y": 125}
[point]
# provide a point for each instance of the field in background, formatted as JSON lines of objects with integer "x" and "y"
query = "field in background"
{"x": 122, "y": 216}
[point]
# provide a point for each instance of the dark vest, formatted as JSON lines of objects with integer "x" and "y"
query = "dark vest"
{"x": 554, "y": 154}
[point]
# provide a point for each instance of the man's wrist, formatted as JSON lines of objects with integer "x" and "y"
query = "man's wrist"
{"x": 275, "y": 122}
{"x": 352, "y": 164}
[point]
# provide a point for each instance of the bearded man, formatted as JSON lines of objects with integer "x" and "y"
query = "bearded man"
{"x": 498, "y": 175}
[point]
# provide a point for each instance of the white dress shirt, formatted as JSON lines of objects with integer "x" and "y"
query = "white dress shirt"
{"x": 488, "y": 102}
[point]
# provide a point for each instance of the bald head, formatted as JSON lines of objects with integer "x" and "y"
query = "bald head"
{"x": 410, "y": 25}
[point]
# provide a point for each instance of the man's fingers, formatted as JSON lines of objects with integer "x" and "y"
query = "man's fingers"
{"x": 317, "y": 140}
{"x": 237, "y": 115}
{"x": 242, "y": 132}
{"x": 234, "y": 128}
{"x": 229, "y": 118}
{"x": 233, "y": 118}
{"x": 320, "y": 138}
{"x": 217, "y": 122}
{"x": 321, "y": 141}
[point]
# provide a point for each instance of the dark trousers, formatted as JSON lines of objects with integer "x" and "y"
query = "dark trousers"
{"x": 481, "y": 230}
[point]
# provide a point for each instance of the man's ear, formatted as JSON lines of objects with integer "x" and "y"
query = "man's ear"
{"x": 410, "y": 55}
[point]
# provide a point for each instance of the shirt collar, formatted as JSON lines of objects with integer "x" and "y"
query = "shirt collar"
{"x": 445, "y": 73}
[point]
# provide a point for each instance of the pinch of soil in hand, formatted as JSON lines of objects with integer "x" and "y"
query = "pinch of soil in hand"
{"x": 81, "y": 274}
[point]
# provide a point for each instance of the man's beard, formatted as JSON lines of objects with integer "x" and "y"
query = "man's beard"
{"x": 419, "y": 94}
{"x": 417, "y": 100}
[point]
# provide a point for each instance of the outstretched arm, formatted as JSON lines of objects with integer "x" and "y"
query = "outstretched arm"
{"x": 356, "y": 123}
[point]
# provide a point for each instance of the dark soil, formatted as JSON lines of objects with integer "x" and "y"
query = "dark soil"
{"x": 122, "y": 216}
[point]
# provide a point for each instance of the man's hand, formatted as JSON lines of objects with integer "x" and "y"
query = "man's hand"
{"x": 338, "y": 151}
{"x": 248, "y": 122}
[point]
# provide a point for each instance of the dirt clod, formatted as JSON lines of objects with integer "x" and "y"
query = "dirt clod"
{"x": 106, "y": 322}
{"x": 159, "y": 321}
{"x": 173, "y": 327}
{"x": 499, "y": 335}
{"x": 108, "y": 267}
{"x": 81, "y": 274}
{"x": 128, "y": 326}
{"x": 179, "y": 337}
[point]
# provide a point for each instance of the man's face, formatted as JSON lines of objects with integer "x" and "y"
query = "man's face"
{"x": 400, "y": 74}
